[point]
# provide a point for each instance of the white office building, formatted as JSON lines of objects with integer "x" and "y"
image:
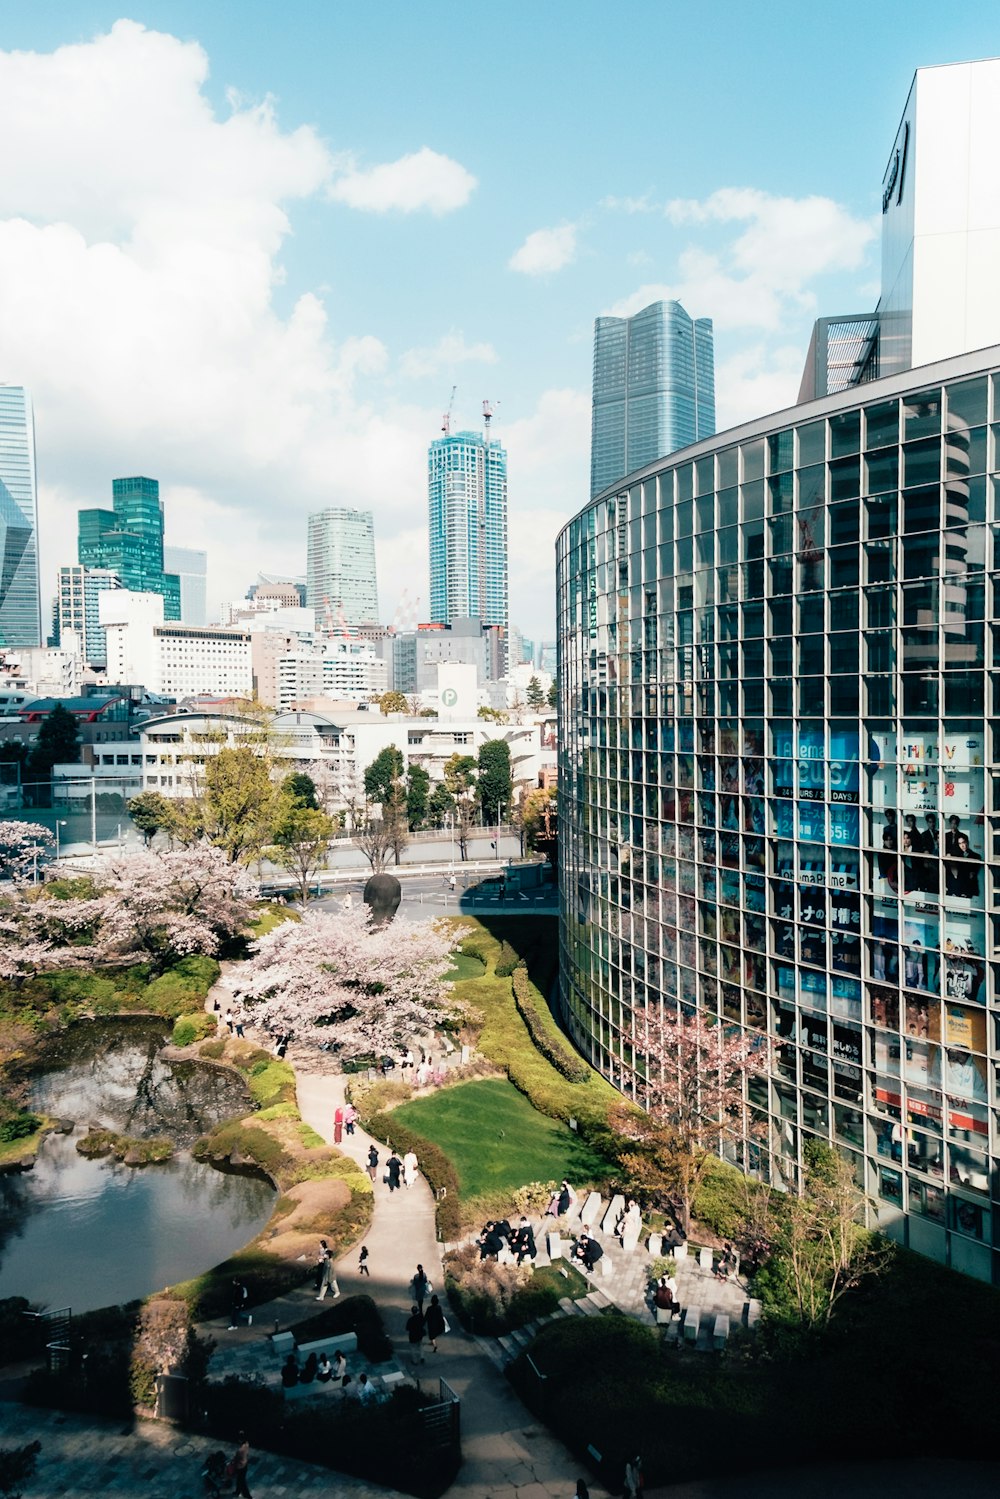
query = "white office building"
{"x": 172, "y": 659}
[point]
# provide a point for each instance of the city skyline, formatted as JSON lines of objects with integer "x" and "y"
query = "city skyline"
{"x": 275, "y": 286}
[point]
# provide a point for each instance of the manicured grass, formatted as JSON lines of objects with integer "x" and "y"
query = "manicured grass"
{"x": 465, "y": 965}
{"x": 496, "y": 1140}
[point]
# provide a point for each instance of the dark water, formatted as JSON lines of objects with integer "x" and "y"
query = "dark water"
{"x": 85, "y": 1233}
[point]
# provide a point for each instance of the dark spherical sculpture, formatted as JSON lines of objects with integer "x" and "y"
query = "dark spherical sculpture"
{"x": 381, "y": 896}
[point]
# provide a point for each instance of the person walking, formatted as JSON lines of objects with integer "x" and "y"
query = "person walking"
{"x": 393, "y": 1167}
{"x": 229, "y": 1021}
{"x": 338, "y": 1125}
{"x": 329, "y": 1279}
{"x": 435, "y": 1323}
{"x": 633, "y": 1479}
{"x": 239, "y": 1029}
{"x": 350, "y": 1118}
{"x": 372, "y": 1162}
{"x": 415, "y": 1328}
{"x": 239, "y": 1464}
{"x": 363, "y": 1262}
{"x": 238, "y": 1306}
{"x": 409, "y": 1169}
{"x": 420, "y": 1286}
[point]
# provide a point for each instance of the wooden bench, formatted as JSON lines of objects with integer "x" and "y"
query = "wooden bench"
{"x": 720, "y": 1332}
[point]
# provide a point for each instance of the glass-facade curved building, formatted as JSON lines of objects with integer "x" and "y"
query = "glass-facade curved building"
{"x": 779, "y": 687}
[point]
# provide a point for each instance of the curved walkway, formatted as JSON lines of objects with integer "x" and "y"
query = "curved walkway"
{"x": 506, "y": 1454}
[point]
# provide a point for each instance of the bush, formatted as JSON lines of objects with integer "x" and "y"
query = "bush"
{"x": 271, "y": 1081}
{"x": 182, "y": 987}
{"x": 542, "y": 1029}
{"x": 16, "y": 1123}
{"x": 195, "y": 1027}
{"x": 721, "y": 1199}
{"x": 507, "y": 961}
{"x": 375, "y": 1097}
{"x": 212, "y": 1050}
{"x": 437, "y": 1168}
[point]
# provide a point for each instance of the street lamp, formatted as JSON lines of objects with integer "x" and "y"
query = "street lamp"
{"x": 449, "y": 822}
{"x": 500, "y": 810}
{"x": 60, "y": 823}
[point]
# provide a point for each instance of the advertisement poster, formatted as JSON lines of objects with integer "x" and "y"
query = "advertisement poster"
{"x": 918, "y": 773}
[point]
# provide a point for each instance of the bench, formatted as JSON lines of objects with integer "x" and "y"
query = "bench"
{"x": 590, "y": 1210}
{"x": 753, "y": 1313}
{"x": 692, "y": 1324}
{"x": 616, "y": 1208}
{"x": 680, "y": 1252}
{"x": 283, "y": 1343}
{"x": 655, "y": 1245}
{"x": 344, "y": 1342}
{"x": 630, "y": 1237}
{"x": 315, "y": 1387}
{"x": 705, "y": 1259}
{"x": 554, "y": 1241}
{"x": 720, "y": 1332}
{"x": 605, "y": 1266}
{"x": 665, "y": 1314}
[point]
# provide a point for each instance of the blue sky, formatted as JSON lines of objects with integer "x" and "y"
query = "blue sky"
{"x": 249, "y": 248}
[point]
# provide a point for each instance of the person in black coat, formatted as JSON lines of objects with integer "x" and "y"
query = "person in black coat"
{"x": 564, "y": 1200}
{"x": 490, "y": 1243}
{"x": 393, "y": 1167}
{"x": 434, "y": 1322}
{"x": 415, "y": 1329}
{"x": 523, "y": 1242}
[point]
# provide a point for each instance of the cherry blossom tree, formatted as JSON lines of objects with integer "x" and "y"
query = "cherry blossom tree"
{"x": 690, "y": 1073}
{"x": 159, "y": 907}
{"x": 21, "y": 846}
{"x": 334, "y": 980}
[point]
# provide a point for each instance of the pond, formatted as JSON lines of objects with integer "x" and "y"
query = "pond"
{"x": 87, "y": 1233}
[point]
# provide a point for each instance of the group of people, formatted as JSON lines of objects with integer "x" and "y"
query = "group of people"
{"x": 497, "y": 1239}
{"x": 588, "y": 1251}
{"x": 398, "y": 1173}
{"x": 344, "y": 1119}
{"x": 919, "y": 847}
{"x": 665, "y": 1295}
{"x": 430, "y": 1324}
{"x": 322, "y": 1370}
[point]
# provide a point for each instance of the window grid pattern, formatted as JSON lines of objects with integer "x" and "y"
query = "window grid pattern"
{"x": 780, "y": 789}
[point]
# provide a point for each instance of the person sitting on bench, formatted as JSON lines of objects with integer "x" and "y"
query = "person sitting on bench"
{"x": 588, "y": 1251}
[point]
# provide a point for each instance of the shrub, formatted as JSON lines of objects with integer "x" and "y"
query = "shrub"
{"x": 16, "y": 1123}
{"x": 212, "y": 1050}
{"x": 375, "y": 1097}
{"x": 437, "y": 1168}
{"x": 507, "y": 961}
{"x": 542, "y": 1029}
{"x": 182, "y": 987}
{"x": 194, "y": 1027}
{"x": 271, "y": 1081}
{"x": 721, "y": 1199}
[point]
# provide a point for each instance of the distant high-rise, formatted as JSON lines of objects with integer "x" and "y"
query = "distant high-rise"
{"x": 654, "y": 389}
{"x": 128, "y": 540}
{"x": 341, "y": 580}
{"x": 78, "y": 609}
{"x": 467, "y": 475}
{"x": 20, "y": 593}
{"x": 191, "y": 568}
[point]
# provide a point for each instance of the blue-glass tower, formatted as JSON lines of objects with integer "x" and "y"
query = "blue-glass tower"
{"x": 128, "y": 540}
{"x": 467, "y": 485}
{"x": 20, "y": 595}
{"x": 654, "y": 389}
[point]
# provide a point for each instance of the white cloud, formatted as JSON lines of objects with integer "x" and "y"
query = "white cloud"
{"x": 645, "y": 204}
{"x": 545, "y": 250}
{"x": 422, "y": 180}
{"x": 756, "y": 381}
{"x": 140, "y": 242}
{"x": 452, "y": 349}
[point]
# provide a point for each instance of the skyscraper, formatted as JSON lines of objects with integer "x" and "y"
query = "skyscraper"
{"x": 191, "y": 568}
{"x": 78, "y": 608}
{"x": 654, "y": 389}
{"x": 20, "y": 594}
{"x": 467, "y": 475}
{"x": 128, "y": 540}
{"x": 340, "y": 566}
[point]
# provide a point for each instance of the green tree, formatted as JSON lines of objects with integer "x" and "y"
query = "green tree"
{"x": 302, "y": 841}
{"x": 393, "y": 702}
{"x": 418, "y": 785}
{"x": 441, "y": 804}
{"x": 301, "y": 789}
{"x": 535, "y": 694}
{"x": 383, "y": 775}
{"x": 493, "y": 715}
{"x": 495, "y": 782}
{"x": 552, "y": 697}
{"x": 58, "y": 743}
{"x": 460, "y": 783}
{"x": 240, "y": 804}
{"x": 150, "y": 812}
{"x": 539, "y": 817}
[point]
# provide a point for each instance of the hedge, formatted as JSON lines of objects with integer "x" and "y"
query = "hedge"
{"x": 199, "y": 1026}
{"x": 507, "y": 961}
{"x": 548, "y": 1043}
{"x": 437, "y": 1168}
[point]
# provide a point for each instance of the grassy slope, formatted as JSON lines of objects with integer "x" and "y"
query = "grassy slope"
{"x": 496, "y": 1140}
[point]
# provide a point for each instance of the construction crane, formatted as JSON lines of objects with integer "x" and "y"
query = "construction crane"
{"x": 446, "y": 419}
{"x": 488, "y": 410}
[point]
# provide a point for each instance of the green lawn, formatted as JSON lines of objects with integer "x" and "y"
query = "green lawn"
{"x": 465, "y": 965}
{"x": 496, "y": 1140}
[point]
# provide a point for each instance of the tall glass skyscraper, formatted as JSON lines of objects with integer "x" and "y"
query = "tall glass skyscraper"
{"x": 340, "y": 567}
{"x": 779, "y": 781}
{"x": 128, "y": 540}
{"x": 654, "y": 389}
{"x": 191, "y": 568}
{"x": 20, "y": 594}
{"x": 467, "y": 489}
